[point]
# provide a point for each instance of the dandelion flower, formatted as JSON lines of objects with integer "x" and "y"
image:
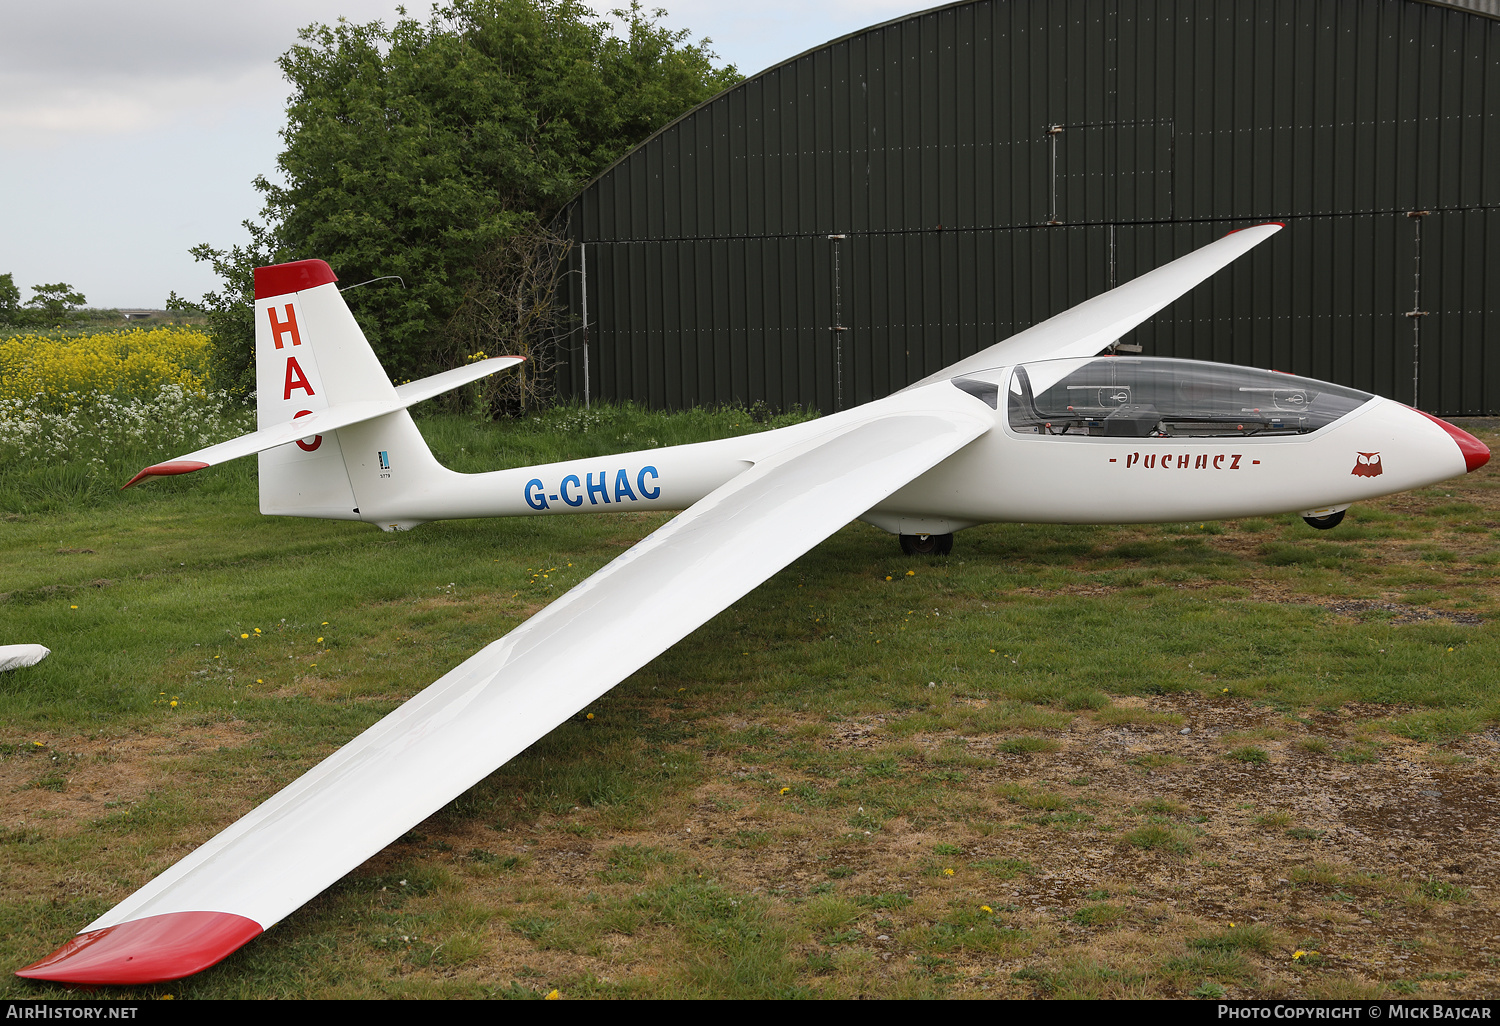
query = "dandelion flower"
{"x": 75, "y": 607}
{"x": 985, "y": 908}
{"x": 244, "y": 635}
{"x": 174, "y": 703}
{"x": 257, "y": 630}
{"x": 785, "y": 790}
{"x": 259, "y": 681}
{"x": 947, "y": 872}
{"x": 325, "y": 623}
{"x": 554, "y": 996}
{"x": 590, "y": 716}
{"x": 888, "y": 577}
{"x": 320, "y": 641}
{"x": 911, "y": 573}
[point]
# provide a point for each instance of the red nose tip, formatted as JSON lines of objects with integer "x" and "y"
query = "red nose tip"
{"x": 1476, "y": 453}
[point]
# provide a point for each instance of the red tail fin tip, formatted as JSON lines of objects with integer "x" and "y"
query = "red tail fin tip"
{"x": 281, "y": 279}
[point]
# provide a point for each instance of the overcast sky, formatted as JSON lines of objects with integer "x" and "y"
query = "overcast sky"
{"x": 130, "y": 132}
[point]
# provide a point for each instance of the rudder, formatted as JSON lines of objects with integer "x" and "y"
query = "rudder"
{"x": 309, "y": 353}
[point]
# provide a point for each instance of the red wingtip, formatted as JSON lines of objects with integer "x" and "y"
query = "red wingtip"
{"x": 281, "y": 279}
{"x": 150, "y": 950}
{"x": 1476, "y": 453}
{"x": 165, "y": 470}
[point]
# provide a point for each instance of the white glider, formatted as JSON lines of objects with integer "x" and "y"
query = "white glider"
{"x": 15, "y": 657}
{"x": 1036, "y": 428}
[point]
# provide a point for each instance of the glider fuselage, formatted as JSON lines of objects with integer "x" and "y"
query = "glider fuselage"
{"x": 1010, "y": 474}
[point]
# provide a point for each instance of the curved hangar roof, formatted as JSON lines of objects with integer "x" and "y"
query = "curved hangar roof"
{"x": 869, "y": 211}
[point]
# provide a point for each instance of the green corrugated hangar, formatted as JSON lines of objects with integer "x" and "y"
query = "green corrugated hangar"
{"x": 863, "y": 214}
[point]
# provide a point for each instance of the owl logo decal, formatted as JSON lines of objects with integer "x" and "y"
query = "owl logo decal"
{"x": 1367, "y": 464}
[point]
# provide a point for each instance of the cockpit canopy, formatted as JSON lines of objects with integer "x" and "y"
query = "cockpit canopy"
{"x": 1149, "y": 397}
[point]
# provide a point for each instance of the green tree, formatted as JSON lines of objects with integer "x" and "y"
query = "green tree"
{"x": 178, "y": 305}
{"x": 55, "y": 303}
{"x": 10, "y": 301}
{"x": 427, "y": 149}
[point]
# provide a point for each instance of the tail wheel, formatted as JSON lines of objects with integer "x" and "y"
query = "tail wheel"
{"x": 1327, "y": 523}
{"x": 927, "y": 544}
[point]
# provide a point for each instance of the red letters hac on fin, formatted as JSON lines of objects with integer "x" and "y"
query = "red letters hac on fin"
{"x": 294, "y": 277}
{"x": 295, "y": 378}
{"x": 288, "y": 326}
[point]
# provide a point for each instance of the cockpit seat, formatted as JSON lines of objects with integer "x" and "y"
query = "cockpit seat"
{"x": 1133, "y": 420}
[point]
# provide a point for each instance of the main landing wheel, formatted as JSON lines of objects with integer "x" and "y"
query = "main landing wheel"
{"x": 927, "y": 544}
{"x": 1327, "y": 523}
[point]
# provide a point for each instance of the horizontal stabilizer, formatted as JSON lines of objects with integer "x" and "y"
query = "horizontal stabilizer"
{"x": 414, "y": 392}
{"x": 328, "y": 419}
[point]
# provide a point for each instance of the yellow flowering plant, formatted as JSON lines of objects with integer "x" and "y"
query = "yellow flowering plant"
{"x": 59, "y": 372}
{"x": 108, "y": 401}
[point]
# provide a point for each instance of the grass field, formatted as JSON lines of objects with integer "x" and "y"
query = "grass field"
{"x": 1243, "y": 759}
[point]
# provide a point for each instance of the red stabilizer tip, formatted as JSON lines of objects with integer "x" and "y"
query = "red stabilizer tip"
{"x": 1476, "y": 453}
{"x": 165, "y": 470}
{"x": 293, "y": 277}
{"x": 151, "y": 950}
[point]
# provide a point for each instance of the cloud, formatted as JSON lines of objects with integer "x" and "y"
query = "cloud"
{"x": 756, "y": 36}
{"x": 101, "y": 68}
{"x": 41, "y": 111}
{"x": 73, "y": 68}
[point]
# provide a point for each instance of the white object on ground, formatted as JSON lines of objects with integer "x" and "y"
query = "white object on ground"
{"x": 13, "y": 657}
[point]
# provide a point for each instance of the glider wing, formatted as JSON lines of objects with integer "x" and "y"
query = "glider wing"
{"x": 492, "y": 706}
{"x": 1089, "y": 327}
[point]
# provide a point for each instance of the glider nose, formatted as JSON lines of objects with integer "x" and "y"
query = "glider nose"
{"x": 1476, "y": 453}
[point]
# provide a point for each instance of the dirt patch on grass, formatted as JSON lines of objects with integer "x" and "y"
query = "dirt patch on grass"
{"x": 1130, "y": 859}
{"x": 1268, "y": 591}
{"x": 69, "y": 781}
{"x": 1400, "y": 612}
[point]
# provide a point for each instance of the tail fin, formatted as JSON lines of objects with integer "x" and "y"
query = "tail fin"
{"x": 309, "y": 355}
{"x": 315, "y": 370}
